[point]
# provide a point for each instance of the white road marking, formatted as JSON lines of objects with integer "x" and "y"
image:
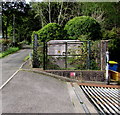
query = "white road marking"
{"x": 13, "y": 75}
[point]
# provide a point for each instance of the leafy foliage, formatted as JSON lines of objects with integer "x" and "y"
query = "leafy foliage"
{"x": 5, "y": 42}
{"x": 109, "y": 34}
{"x": 83, "y": 25}
{"x": 114, "y": 49}
{"x": 95, "y": 55}
{"x": 32, "y": 17}
{"x": 106, "y": 13}
{"x": 18, "y": 17}
{"x": 51, "y": 31}
{"x": 56, "y": 12}
{"x": 114, "y": 46}
{"x": 9, "y": 51}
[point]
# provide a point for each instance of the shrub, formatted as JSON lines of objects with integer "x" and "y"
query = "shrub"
{"x": 114, "y": 45}
{"x": 20, "y": 44}
{"x": 9, "y": 51}
{"x": 5, "y": 41}
{"x": 33, "y": 33}
{"x": 83, "y": 25}
{"x": 114, "y": 49}
{"x": 109, "y": 34}
{"x": 51, "y": 31}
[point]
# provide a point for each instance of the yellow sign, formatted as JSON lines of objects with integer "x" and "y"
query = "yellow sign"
{"x": 58, "y": 51}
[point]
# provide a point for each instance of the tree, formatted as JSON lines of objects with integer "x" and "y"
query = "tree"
{"x": 56, "y": 12}
{"x": 51, "y": 31}
{"x": 114, "y": 46}
{"x": 83, "y": 25}
{"x": 18, "y": 21}
{"x": 106, "y": 13}
{"x": 12, "y": 10}
{"x": 8, "y": 10}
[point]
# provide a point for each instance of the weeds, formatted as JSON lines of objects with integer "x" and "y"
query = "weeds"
{"x": 9, "y": 51}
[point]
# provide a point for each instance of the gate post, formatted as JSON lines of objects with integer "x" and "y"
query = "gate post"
{"x": 35, "y": 44}
{"x": 66, "y": 53}
{"x": 44, "y": 55}
{"x": 104, "y": 48}
{"x": 88, "y": 60}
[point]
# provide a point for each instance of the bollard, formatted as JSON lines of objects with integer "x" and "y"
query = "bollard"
{"x": 107, "y": 66}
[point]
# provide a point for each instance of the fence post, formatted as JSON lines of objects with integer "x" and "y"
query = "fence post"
{"x": 46, "y": 58}
{"x": 35, "y": 44}
{"x": 88, "y": 61}
{"x": 44, "y": 55}
{"x": 104, "y": 48}
{"x": 66, "y": 55}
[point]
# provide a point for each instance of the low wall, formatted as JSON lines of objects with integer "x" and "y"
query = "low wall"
{"x": 82, "y": 75}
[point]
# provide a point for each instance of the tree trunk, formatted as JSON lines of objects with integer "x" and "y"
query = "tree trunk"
{"x": 3, "y": 26}
{"x": 60, "y": 12}
{"x": 3, "y": 33}
{"x": 6, "y": 29}
{"x": 6, "y": 33}
{"x": 49, "y": 12}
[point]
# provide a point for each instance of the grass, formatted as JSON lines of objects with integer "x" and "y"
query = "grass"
{"x": 26, "y": 58}
{"x": 9, "y": 51}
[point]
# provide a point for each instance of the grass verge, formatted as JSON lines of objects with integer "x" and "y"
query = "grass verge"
{"x": 9, "y": 51}
{"x": 26, "y": 58}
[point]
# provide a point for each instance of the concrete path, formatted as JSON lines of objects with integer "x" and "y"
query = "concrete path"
{"x": 12, "y": 63}
{"x": 30, "y": 92}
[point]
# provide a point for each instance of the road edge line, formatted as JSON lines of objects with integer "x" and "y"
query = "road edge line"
{"x": 5, "y": 83}
{"x": 23, "y": 64}
{"x": 9, "y": 79}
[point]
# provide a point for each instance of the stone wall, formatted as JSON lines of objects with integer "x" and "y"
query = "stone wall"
{"x": 82, "y": 75}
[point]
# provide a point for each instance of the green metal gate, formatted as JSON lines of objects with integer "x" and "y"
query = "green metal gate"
{"x": 61, "y": 54}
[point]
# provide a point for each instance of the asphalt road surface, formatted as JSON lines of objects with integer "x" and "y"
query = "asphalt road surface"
{"x": 30, "y": 92}
{"x": 11, "y": 63}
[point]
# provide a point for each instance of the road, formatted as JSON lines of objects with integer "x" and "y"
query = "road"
{"x": 11, "y": 63}
{"x": 30, "y": 92}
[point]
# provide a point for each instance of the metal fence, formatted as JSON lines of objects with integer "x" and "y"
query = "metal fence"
{"x": 67, "y": 54}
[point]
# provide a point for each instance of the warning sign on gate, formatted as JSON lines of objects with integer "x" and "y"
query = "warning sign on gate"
{"x": 58, "y": 51}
